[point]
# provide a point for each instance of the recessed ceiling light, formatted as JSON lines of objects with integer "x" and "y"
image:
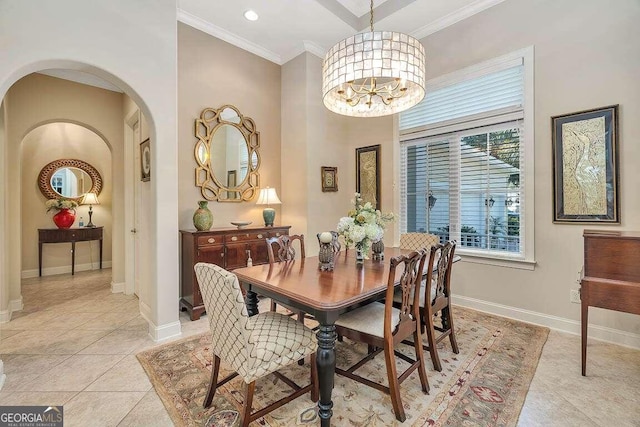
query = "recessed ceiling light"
{"x": 251, "y": 15}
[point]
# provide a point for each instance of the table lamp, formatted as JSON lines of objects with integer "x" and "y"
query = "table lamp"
{"x": 268, "y": 196}
{"x": 90, "y": 199}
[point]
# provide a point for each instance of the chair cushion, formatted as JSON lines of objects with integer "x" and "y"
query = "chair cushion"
{"x": 368, "y": 319}
{"x": 276, "y": 341}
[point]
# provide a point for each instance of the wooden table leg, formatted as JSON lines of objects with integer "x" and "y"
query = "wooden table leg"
{"x": 40, "y": 258}
{"x": 73, "y": 258}
{"x": 585, "y": 324}
{"x": 326, "y": 362}
{"x": 252, "y": 303}
{"x": 100, "y": 254}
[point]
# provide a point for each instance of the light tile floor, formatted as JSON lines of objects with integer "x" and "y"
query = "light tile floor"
{"x": 75, "y": 345}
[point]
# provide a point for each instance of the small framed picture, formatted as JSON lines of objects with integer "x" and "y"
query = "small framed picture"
{"x": 329, "y": 178}
{"x": 585, "y": 167}
{"x": 145, "y": 160}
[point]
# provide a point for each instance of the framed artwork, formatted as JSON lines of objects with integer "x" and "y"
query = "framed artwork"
{"x": 329, "y": 178}
{"x": 145, "y": 160}
{"x": 585, "y": 167}
{"x": 368, "y": 174}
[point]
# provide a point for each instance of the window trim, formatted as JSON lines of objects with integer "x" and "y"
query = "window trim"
{"x": 525, "y": 57}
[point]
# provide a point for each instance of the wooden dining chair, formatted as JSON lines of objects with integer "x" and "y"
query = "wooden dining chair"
{"x": 383, "y": 327}
{"x": 435, "y": 298}
{"x": 438, "y": 289}
{"x": 252, "y": 346}
{"x": 285, "y": 251}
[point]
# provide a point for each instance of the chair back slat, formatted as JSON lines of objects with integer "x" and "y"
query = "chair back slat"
{"x": 227, "y": 313}
{"x": 442, "y": 280}
{"x": 412, "y": 266}
{"x": 284, "y": 248}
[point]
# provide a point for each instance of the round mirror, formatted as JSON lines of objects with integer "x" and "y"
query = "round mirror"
{"x": 71, "y": 182}
{"x": 227, "y": 153}
{"x": 69, "y": 178}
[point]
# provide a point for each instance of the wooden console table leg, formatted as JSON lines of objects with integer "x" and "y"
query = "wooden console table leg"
{"x": 40, "y": 258}
{"x": 100, "y": 254}
{"x": 585, "y": 323}
{"x": 73, "y": 258}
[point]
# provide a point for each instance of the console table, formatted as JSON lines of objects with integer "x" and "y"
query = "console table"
{"x": 71, "y": 235}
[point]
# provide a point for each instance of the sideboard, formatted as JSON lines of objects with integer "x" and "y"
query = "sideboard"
{"x": 70, "y": 235}
{"x": 227, "y": 247}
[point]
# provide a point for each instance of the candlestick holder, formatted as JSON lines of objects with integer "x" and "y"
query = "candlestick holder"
{"x": 326, "y": 257}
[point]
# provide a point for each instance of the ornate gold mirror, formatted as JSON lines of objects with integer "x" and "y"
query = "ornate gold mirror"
{"x": 69, "y": 178}
{"x": 227, "y": 155}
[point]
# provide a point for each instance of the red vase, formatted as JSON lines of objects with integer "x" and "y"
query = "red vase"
{"x": 65, "y": 218}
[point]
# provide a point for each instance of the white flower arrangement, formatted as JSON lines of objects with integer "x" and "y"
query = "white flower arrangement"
{"x": 363, "y": 226}
{"x": 59, "y": 204}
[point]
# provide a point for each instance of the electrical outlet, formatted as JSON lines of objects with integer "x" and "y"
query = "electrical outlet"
{"x": 574, "y": 296}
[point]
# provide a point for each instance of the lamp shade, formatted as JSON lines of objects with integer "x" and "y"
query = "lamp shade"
{"x": 90, "y": 199}
{"x": 268, "y": 196}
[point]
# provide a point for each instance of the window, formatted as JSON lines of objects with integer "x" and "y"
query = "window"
{"x": 467, "y": 160}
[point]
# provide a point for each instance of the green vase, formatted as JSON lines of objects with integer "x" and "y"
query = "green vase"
{"x": 202, "y": 217}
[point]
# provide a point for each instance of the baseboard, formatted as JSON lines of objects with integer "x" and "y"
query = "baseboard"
{"x": 562, "y": 324}
{"x": 3, "y": 377}
{"x": 14, "y": 305}
{"x": 117, "y": 288}
{"x": 145, "y": 311}
{"x": 64, "y": 269}
{"x": 164, "y": 332}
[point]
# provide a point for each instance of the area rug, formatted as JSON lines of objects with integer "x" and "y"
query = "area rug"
{"x": 484, "y": 385}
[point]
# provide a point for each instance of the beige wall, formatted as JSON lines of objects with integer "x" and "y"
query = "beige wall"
{"x": 312, "y": 137}
{"x": 586, "y": 56}
{"x": 100, "y": 112}
{"x": 213, "y": 73}
{"x": 45, "y": 144}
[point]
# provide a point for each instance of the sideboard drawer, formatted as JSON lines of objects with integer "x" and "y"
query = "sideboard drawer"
{"x": 210, "y": 240}
{"x": 246, "y": 236}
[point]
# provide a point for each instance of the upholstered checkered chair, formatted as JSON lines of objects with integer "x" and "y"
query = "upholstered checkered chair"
{"x": 437, "y": 286}
{"x": 417, "y": 241}
{"x": 252, "y": 346}
{"x": 383, "y": 327}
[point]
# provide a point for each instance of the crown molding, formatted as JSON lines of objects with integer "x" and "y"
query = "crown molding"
{"x": 454, "y": 17}
{"x": 222, "y": 34}
{"x": 306, "y": 46}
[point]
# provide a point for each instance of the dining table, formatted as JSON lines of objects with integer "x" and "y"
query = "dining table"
{"x": 300, "y": 284}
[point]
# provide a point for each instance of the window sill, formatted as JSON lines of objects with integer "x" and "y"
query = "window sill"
{"x": 498, "y": 261}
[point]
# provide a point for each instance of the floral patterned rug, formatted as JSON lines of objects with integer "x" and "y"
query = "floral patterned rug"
{"x": 484, "y": 385}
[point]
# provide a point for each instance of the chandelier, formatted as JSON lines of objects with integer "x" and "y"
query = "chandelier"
{"x": 373, "y": 74}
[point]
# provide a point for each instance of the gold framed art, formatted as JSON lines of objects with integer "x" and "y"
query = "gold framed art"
{"x": 329, "y": 178}
{"x": 368, "y": 174}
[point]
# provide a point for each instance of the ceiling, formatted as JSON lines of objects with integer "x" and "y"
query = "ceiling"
{"x": 286, "y": 28}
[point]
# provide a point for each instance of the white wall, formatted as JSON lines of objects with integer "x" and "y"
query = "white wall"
{"x": 132, "y": 45}
{"x": 586, "y": 56}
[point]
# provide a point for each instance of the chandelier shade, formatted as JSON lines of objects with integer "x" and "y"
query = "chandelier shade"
{"x": 374, "y": 74}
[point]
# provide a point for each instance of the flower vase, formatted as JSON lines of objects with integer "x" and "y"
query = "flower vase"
{"x": 64, "y": 218}
{"x": 359, "y": 256}
{"x": 202, "y": 217}
{"x": 378, "y": 250}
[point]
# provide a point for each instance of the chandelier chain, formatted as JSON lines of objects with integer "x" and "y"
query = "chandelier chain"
{"x": 371, "y": 18}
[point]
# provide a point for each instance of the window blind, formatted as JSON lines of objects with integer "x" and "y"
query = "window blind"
{"x": 494, "y": 91}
